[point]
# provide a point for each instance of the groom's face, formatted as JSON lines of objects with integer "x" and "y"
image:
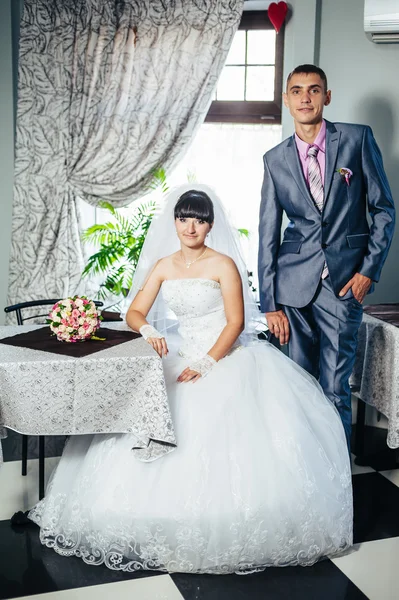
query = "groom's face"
{"x": 306, "y": 98}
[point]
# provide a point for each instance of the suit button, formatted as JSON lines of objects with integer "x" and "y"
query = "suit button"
{"x": 324, "y": 245}
{"x": 325, "y": 223}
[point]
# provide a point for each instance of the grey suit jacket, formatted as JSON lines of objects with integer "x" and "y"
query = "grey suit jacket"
{"x": 290, "y": 269}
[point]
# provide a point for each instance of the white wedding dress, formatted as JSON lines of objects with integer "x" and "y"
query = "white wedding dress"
{"x": 260, "y": 477}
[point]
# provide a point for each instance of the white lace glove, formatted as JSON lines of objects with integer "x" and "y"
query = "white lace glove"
{"x": 148, "y": 331}
{"x": 203, "y": 365}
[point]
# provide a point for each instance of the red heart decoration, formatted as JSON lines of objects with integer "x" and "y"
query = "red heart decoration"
{"x": 277, "y": 14}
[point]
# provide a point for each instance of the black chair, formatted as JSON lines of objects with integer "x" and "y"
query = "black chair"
{"x": 18, "y": 308}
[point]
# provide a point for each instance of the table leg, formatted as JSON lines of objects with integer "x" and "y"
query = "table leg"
{"x": 41, "y": 467}
{"x": 360, "y": 422}
{"x": 24, "y": 454}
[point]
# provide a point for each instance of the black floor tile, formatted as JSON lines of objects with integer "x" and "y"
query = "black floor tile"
{"x": 323, "y": 581}
{"x": 383, "y": 460}
{"x": 27, "y": 567}
{"x": 376, "y": 503}
{"x": 377, "y": 454}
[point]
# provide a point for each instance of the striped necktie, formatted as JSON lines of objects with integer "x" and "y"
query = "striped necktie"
{"x": 316, "y": 186}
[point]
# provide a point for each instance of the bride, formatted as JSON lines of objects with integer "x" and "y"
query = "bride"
{"x": 260, "y": 476}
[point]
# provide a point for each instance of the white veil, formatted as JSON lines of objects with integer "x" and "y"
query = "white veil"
{"x": 162, "y": 240}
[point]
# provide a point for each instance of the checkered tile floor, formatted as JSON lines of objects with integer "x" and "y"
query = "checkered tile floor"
{"x": 370, "y": 570}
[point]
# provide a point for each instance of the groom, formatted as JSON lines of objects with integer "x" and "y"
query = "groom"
{"x": 313, "y": 280}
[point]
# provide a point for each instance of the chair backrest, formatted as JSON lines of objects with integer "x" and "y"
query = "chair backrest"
{"x": 18, "y": 308}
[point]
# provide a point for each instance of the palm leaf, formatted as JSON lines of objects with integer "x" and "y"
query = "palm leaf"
{"x": 104, "y": 234}
{"x": 102, "y": 260}
{"x": 118, "y": 281}
{"x": 108, "y": 206}
{"x": 158, "y": 181}
{"x": 191, "y": 177}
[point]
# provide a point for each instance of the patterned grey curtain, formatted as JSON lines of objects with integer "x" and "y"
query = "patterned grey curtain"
{"x": 108, "y": 91}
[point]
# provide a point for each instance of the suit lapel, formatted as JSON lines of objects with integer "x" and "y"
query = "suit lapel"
{"x": 332, "y": 146}
{"x": 294, "y": 164}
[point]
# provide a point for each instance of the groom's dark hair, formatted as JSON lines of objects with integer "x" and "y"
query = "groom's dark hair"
{"x": 195, "y": 204}
{"x": 309, "y": 69}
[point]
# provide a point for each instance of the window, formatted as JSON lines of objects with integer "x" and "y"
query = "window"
{"x": 250, "y": 86}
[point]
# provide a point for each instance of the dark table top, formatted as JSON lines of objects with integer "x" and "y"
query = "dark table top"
{"x": 386, "y": 312}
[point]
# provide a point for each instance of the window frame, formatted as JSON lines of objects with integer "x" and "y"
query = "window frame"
{"x": 249, "y": 111}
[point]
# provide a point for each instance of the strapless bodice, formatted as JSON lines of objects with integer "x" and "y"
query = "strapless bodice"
{"x": 198, "y": 306}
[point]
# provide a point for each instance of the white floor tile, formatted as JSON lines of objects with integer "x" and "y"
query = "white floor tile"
{"x": 356, "y": 470}
{"x": 160, "y": 587}
{"x": 18, "y": 492}
{"x": 373, "y": 568}
{"x": 392, "y": 476}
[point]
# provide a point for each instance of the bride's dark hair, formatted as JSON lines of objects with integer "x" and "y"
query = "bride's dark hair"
{"x": 195, "y": 204}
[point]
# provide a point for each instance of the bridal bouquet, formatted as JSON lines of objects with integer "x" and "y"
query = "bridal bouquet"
{"x": 74, "y": 319}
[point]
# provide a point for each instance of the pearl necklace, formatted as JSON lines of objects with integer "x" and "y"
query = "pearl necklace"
{"x": 188, "y": 263}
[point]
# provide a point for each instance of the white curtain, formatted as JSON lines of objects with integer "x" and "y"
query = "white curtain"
{"x": 108, "y": 91}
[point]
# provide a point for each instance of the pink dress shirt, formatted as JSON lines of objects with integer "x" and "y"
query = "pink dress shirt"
{"x": 303, "y": 148}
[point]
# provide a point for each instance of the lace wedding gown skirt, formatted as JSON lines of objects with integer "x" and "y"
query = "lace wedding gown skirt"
{"x": 261, "y": 475}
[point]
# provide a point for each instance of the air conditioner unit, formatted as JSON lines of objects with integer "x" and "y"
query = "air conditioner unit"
{"x": 381, "y": 21}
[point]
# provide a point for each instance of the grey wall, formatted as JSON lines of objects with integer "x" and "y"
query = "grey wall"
{"x": 6, "y": 144}
{"x": 363, "y": 77}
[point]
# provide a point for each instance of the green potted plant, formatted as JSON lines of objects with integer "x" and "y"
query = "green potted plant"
{"x": 119, "y": 242}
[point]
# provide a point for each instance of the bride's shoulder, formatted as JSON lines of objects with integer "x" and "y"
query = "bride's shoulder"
{"x": 163, "y": 265}
{"x": 221, "y": 259}
{"x": 166, "y": 260}
{"x": 225, "y": 267}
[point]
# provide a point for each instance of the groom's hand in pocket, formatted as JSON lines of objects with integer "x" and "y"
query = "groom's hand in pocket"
{"x": 360, "y": 285}
{"x": 278, "y": 325}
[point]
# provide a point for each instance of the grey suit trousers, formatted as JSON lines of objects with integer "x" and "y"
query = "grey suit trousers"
{"x": 323, "y": 340}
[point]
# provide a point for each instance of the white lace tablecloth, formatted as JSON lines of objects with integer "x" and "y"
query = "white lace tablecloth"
{"x": 116, "y": 390}
{"x": 376, "y": 371}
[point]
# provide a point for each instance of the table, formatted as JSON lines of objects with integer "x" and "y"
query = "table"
{"x": 376, "y": 371}
{"x": 116, "y": 390}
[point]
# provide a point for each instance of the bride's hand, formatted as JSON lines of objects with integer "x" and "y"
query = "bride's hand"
{"x": 159, "y": 345}
{"x": 188, "y": 375}
{"x": 199, "y": 368}
{"x": 154, "y": 338}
